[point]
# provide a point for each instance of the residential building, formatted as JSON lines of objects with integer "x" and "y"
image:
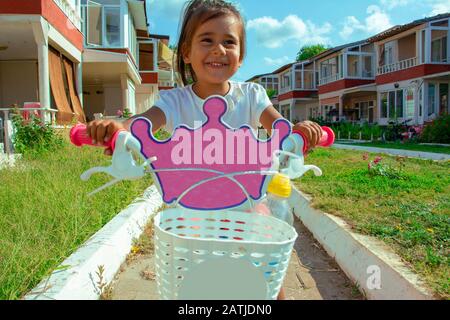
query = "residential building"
{"x": 41, "y": 45}
{"x": 347, "y": 89}
{"x": 400, "y": 74}
{"x": 298, "y": 98}
{"x": 413, "y": 70}
{"x": 81, "y": 58}
{"x": 270, "y": 82}
{"x": 123, "y": 65}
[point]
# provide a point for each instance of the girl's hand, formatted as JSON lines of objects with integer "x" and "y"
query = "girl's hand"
{"x": 311, "y": 130}
{"x": 101, "y": 131}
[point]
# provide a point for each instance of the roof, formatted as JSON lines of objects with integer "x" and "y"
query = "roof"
{"x": 285, "y": 67}
{"x": 400, "y": 28}
{"x": 259, "y": 76}
{"x": 336, "y": 49}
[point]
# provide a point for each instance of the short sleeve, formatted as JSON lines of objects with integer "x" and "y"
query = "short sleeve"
{"x": 167, "y": 103}
{"x": 261, "y": 101}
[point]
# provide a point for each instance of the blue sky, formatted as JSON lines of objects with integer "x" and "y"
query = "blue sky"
{"x": 277, "y": 29}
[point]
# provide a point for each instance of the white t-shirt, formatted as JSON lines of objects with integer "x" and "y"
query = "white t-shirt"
{"x": 246, "y": 102}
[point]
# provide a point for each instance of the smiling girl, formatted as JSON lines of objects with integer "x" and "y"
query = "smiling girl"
{"x": 211, "y": 49}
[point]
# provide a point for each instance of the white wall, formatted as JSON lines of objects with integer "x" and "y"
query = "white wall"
{"x": 93, "y": 102}
{"x": 145, "y": 97}
{"x": 18, "y": 82}
{"x": 113, "y": 98}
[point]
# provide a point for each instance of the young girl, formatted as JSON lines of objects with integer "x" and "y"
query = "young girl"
{"x": 211, "y": 49}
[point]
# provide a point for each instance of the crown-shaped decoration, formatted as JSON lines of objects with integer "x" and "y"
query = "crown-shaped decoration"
{"x": 214, "y": 146}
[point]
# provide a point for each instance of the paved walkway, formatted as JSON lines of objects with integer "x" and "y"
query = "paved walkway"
{"x": 396, "y": 152}
{"x": 312, "y": 275}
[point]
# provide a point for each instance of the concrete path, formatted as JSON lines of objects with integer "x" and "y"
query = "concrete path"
{"x": 396, "y": 152}
{"x": 312, "y": 275}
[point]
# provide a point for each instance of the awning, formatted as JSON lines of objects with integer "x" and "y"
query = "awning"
{"x": 76, "y": 104}
{"x": 330, "y": 101}
{"x": 65, "y": 114}
{"x": 165, "y": 55}
{"x": 137, "y": 9}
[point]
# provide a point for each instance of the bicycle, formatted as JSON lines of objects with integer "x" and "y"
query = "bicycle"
{"x": 211, "y": 243}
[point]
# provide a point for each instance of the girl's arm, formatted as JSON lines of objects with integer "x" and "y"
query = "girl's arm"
{"x": 311, "y": 130}
{"x": 102, "y": 130}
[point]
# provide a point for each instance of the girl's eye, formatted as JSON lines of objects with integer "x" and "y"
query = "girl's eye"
{"x": 206, "y": 40}
{"x": 229, "y": 42}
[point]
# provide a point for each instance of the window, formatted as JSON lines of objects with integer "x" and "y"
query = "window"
{"x": 421, "y": 101}
{"x": 384, "y": 105}
{"x": 439, "y": 49}
{"x": 95, "y": 24}
{"x": 409, "y": 99}
{"x": 389, "y": 53}
{"x": 399, "y": 105}
{"x": 132, "y": 37}
{"x": 391, "y": 106}
{"x": 112, "y": 21}
{"x": 431, "y": 98}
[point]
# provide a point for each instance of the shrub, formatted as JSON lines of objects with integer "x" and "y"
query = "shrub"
{"x": 33, "y": 136}
{"x": 438, "y": 131}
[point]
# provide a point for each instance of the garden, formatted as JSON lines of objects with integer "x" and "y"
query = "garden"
{"x": 45, "y": 213}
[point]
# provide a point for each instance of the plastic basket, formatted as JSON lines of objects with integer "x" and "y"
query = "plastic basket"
{"x": 186, "y": 239}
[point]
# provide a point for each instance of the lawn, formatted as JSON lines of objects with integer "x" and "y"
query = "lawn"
{"x": 411, "y": 213}
{"x": 403, "y": 146}
{"x": 45, "y": 214}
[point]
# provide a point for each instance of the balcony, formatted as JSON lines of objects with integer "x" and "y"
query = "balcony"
{"x": 426, "y": 46}
{"x": 300, "y": 77}
{"x": 70, "y": 11}
{"x": 401, "y": 65}
{"x": 330, "y": 79}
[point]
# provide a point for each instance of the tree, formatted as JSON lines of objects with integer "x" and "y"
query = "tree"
{"x": 307, "y": 52}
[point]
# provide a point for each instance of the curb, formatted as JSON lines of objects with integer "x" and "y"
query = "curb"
{"x": 379, "y": 273}
{"x": 397, "y": 152}
{"x": 77, "y": 277}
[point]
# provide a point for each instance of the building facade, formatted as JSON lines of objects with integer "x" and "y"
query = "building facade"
{"x": 400, "y": 74}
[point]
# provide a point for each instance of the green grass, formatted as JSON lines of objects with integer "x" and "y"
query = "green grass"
{"x": 45, "y": 214}
{"x": 404, "y": 146}
{"x": 412, "y": 215}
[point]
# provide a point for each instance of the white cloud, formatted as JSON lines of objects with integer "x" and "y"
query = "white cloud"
{"x": 375, "y": 22}
{"x": 277, "y": 62}
{"x": 439, "y": 6}
{"x": 391, "y": 4}
{"x": 273, "y": 33}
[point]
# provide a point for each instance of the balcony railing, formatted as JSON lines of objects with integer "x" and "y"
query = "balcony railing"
{"x": 70, "y": 12}
{"x": 401, "y": 65}
{"x": 329, "y": 79}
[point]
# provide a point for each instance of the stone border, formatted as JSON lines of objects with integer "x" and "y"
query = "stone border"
{"x": 367, "y": 261}
{"x": 396, "y": 152}
{"x": 76, "y": 278}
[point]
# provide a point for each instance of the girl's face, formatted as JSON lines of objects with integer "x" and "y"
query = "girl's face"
{"x": 215, "y": 50}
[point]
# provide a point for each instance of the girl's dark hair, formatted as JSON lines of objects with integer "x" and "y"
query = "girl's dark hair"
{"x": 196, "y": 13}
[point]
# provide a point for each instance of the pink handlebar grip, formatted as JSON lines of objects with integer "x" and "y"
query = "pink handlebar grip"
{"x": 326, "y": 140}
{"x": 79, "y": 137}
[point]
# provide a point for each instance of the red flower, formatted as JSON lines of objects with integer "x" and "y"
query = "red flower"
{"x": 370, "y": 166}
{"x": 377, "y": 160}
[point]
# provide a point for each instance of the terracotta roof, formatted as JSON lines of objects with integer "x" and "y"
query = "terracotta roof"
{"x": 259, "y": 76}
{"x": 336, "y": 49}
{"x": 285, "y": 67}
{"x": 400, "y": 28}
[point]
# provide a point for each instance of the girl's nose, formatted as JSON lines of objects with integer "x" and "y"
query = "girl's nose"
{"x": 219, "y": 49}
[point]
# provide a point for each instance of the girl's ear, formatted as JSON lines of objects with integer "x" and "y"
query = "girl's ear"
{"x": 186, "y": 55}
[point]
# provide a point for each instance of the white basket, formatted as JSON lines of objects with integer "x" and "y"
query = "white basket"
{"x": 244, "y": 248}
